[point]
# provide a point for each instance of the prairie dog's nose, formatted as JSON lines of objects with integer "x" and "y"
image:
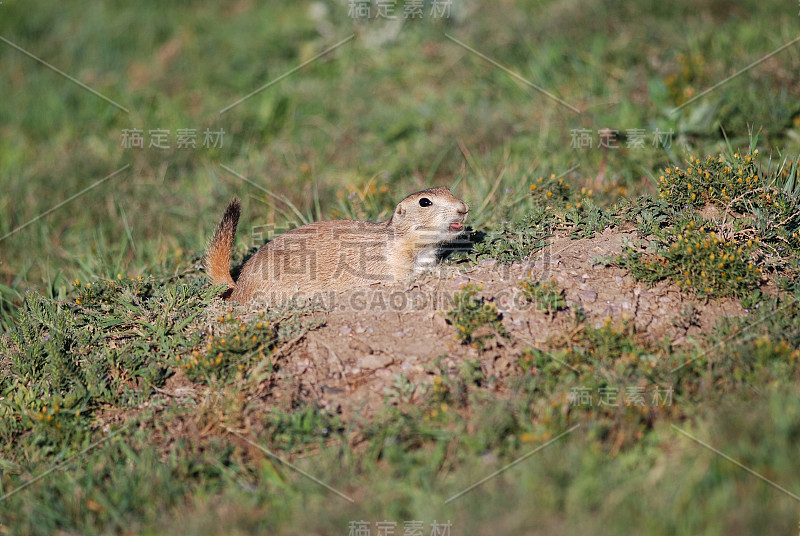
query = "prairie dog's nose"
{"x": 463, "y": 208}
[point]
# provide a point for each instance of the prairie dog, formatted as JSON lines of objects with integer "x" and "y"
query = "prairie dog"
{"x": 339, "y": 254}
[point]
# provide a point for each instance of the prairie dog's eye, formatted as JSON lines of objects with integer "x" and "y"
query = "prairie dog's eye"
{"x": 425, "y": 202}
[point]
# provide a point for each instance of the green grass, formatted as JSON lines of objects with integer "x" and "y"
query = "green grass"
{"x": 102, "y": 300}
{"x": 475, "y": 318}
{"x": 547, "y": 296}
{"x": 754, "y": 231}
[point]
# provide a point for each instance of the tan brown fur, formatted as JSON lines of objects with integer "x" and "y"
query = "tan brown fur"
{"x": 217, "y": 260}
{"x": 341, "y": 254}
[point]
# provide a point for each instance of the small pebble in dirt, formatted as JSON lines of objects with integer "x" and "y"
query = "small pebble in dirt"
{"x": 460, "y": 281}
{"x": 386, "y": 374}
{"x": 345, "y": 330}
{"x": 372, "y": 362}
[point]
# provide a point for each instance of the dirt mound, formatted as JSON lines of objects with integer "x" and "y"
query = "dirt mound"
{"x": 369, "y": 339}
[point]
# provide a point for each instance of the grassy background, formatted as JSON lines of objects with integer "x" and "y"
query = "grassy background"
{"x": 396, "y": 109}
{"x": 399, "y": 113}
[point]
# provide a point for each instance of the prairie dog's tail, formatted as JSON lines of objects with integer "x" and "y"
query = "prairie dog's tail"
{"x": 218, "y": 253}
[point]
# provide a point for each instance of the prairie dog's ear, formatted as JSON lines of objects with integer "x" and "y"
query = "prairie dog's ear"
{"x": 400, "y": 211}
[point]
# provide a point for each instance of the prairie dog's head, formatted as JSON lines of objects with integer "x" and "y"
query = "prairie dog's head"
{"x": 433, "y": 216}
